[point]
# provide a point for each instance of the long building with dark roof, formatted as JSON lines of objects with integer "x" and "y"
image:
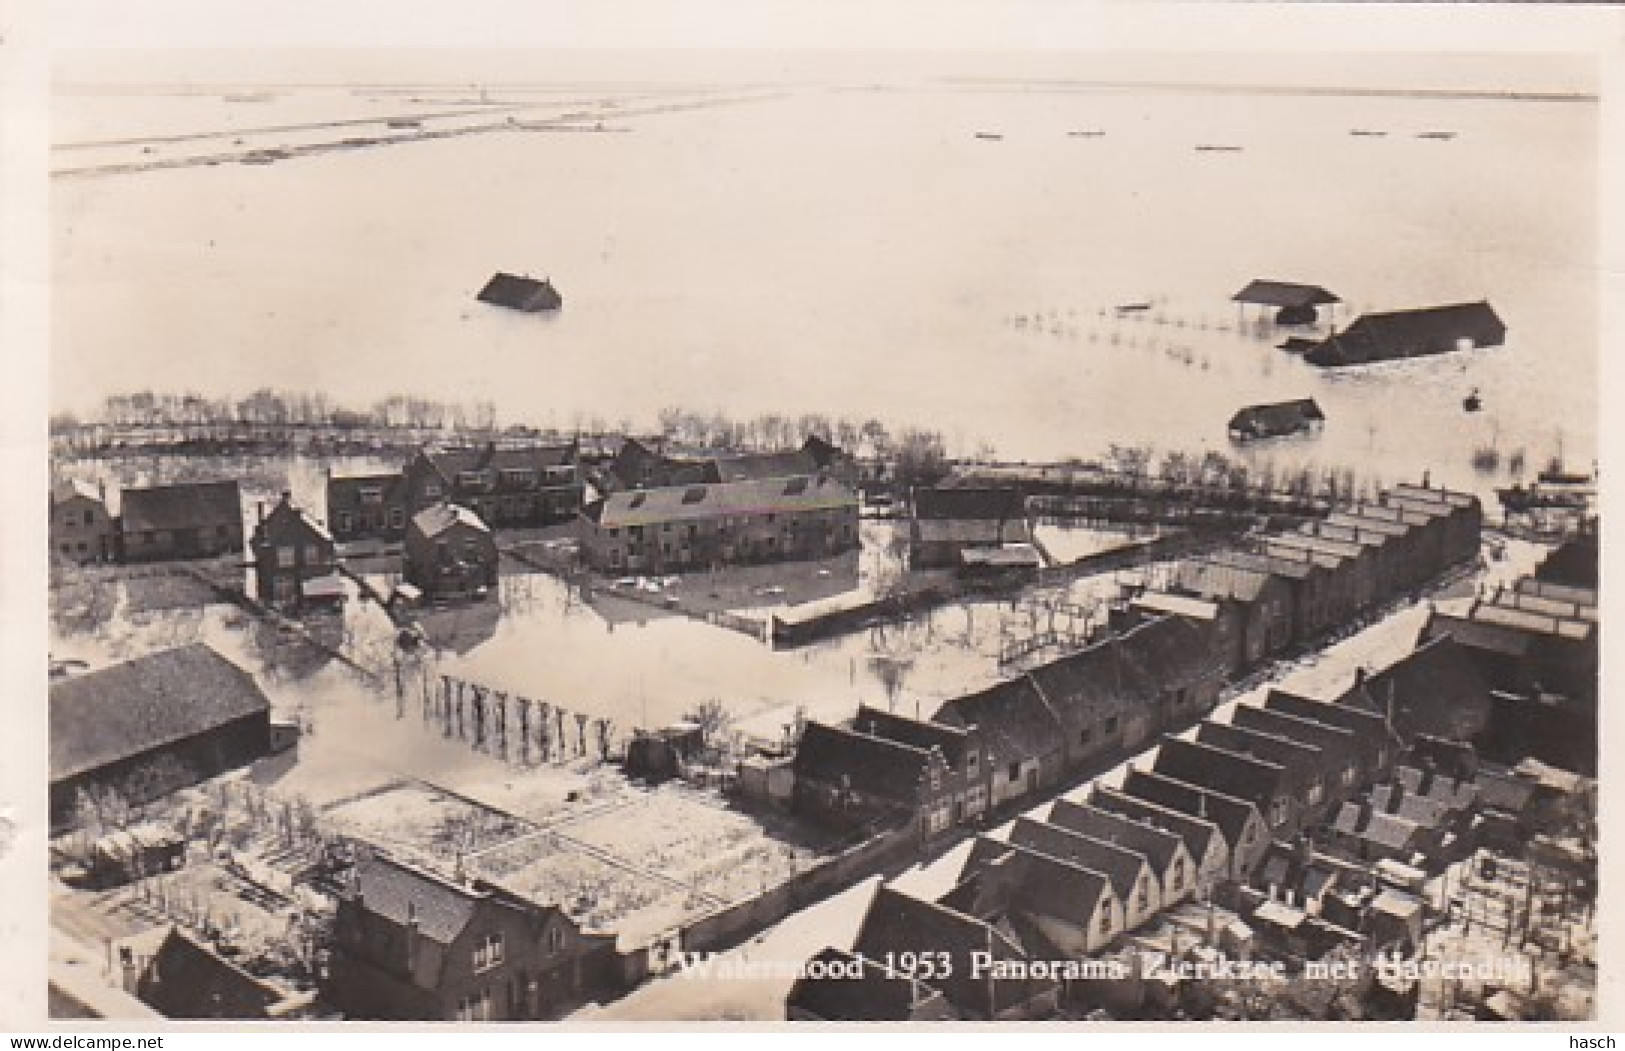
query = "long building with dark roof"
{"x": 151, "y": 725}
{"x": 184, "y": 521}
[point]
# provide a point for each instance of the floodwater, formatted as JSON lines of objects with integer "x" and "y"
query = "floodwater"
{"x": 862, "y": 252}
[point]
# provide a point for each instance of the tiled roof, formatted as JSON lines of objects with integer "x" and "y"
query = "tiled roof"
{"x": 344, "y": 492}
{"x": 1235, "y": 774}
{"x": 1159, "y": 847}
{"x": 696, "y": 502}
{"x": 191, "y": 505}
{"x": 1435, "y": 689}
{"x": 1197, "y": 833}
{"x": 1276, "y": 418}
{"x": 1012, "y": 716}
{"x": 951, "y": 741}
{"x": 1121, "y": 865}
{"x": 191, "y": 981}
{"x": 1290, "y": 753}
{"x": 1227, "y": 812}
{"x": 1328, "y": 737}
{"x": 400, "y": 893}
{"x": 1216, "y": 580}
{"x": 1369, "y": 725}
{"x": 750, "y": 467}
{"x": 874, "y": 765}
{"x": 1022, "y": 879}
{"x": 104, "y": 716}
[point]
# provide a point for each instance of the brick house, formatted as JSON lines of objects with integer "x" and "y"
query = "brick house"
{"x": 293, "y": 558}
{"x": 81, "y": 530}
{"x": 1022, "y": 733}
{"x": 1265, "y": 601}
{"x": 190, "y": 520}
{"x": 1344, "y": 764}
{"x": 412, "y": 945}
{"x": 366, "y": 506}
{"x": 509, "y": 487}
{"x": 1245, "y": 829}
{"x": 449, "y": 552}
{"x": 1305, "y": 769}
{"x": 1203, "y": 840}
{"x": 1263, "y": 783}
{"x": 969, "y": 775}
{"x": 1133, "y": 880}
{"x": 1172, "y": 865}
{"x": 729, "y": 523}
{"x": 1069, "y": 909}
{"x": 847, "y": 777}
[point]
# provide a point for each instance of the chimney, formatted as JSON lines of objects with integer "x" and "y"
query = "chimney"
{"x": 412, "y": 935}
{"x": 262, "y": 510}
{"x": 1359, "y": 676}
{"x": 287, "y": 496}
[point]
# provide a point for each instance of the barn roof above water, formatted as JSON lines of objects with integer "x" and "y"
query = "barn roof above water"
{"x": 1411, "y": 333}
{"x": 1284, "y": 294}
{"x": 520, "y": 293}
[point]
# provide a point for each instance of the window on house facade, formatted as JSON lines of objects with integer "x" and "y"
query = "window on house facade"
{"x": 1348, "y": 777}
{"x": 555, "y": 939}
{"x": 397, "y": 518}
{"x": 1105, "y": 920}
{"x": 476, "y": 1007}
{"x": 344, "y": 521}
{"x": 1015, "y": 771}
{"x": 1176, "y": 878}
{"x": 972, "y": 758}
{"x": 432, "y": 490}
{"x": 373, "y": 494}
{"x": 488, "y": 953}
{"x": 1316, "y": 793}
{"x": 1111, "y": 724}
{"x": 1142, "y": 899}
{"x": 1086, "y": 735}
{"x": 285, "y": 556}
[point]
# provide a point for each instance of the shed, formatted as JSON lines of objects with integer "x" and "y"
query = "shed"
{"x": 1294, "y": 303}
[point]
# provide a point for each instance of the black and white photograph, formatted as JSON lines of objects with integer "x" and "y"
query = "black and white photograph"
{"x": 795, "y": 535}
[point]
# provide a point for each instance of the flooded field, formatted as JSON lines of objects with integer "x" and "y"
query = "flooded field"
{"x": 744, "y": 241}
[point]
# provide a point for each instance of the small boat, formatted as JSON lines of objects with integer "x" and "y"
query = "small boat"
{"x": 1367, "y": 133}
{"x": 1133, "y": 308}
{"x": 1555, "y": 475}
{"x": 1443, "y": 136}
{"x": 1089, "y": 134}
{"x": 1208, "y": 148}
{"x": 404, "y": 122}
{"x": 989, "y": 136}
{"x": 1472, "y": 403}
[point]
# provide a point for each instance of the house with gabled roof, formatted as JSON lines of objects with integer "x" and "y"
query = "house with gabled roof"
{"x": 81, "y": 529}
{"x": 1133, "y": 878}
{"x": 410, "y": 944}
{"x": 848, "y": 777}
{"x": 1074, "y": 907}
{"x": 449, "y": 552}
{"x": 967, "y": 947}
{"x": 1264, "y": 599}
{"x": 1203, "y": 841}
{"x": 969, "y": 774}
{"x": 509, "y": 486}
{"x": 366, "y": 506}
{"x": 1021, "y": 731}
{"x": 1304, "y": 769}
{"x": 1165, "y": 851}
{"x": 950, "y": 519}
{"x": 1260, "y": 782}
{"x": 1246, "y": 831}
{"x": 294, "y": 558}
{"x": 1378, "y": 741}
{"x": 185, "y": 978}
{"x": 1418, "y": 332}
{"x": 1345, "y": 765}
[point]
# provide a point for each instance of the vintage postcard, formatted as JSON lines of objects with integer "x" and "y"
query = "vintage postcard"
{"x": 777, "y": 535}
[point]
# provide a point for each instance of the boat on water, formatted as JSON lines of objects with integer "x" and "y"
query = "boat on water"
{"x": 1367, "y": 133}
{"x": 1472, "y": 403}
{"x": 1089, "y": 134}
{"x": 1214, "y": 148}
{"x": 1554, "y": 474}
{"x": 989, "y": 136}
{"x": 405, "y": 122}
{"x": 1518, "y": 498}
{"x": 1440, "y": 135}
{"x": 1133, "y": 308}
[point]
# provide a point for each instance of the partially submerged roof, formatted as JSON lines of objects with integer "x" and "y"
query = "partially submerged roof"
{"x": 1284, "y": 294}
{"x": 101, "y": 717}
{"x": 520, "y": 293}
{"x": 1411, "y": 333}
{"x": 1276, "y": 418}
{"x": 969, "y": 503}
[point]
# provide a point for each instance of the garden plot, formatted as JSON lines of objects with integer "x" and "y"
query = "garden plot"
{"x": 597, "y": 892}
{"x": 425, "y": 823}
{"x": 729, "y": 854}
